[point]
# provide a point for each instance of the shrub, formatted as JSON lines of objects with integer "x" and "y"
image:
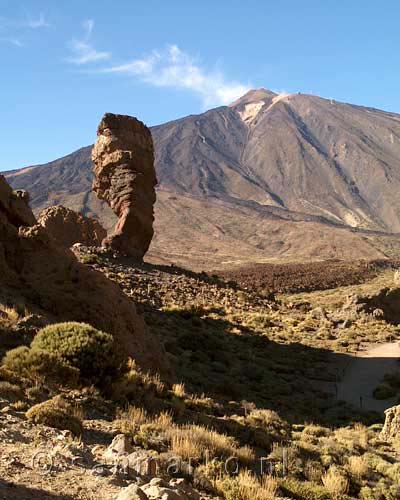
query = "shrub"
{"x": 303, "y": 490}
{"x": 38, "y": 364}
{"x": 11, "y": 392}
{"x": 246, "y": 486}
{"x": 81, "y": 346}
{"x": 358, "y": 466}
{"x": 56, "y": 413}
{"x": 90, "y": 258}
{"x": 384, "y": 391}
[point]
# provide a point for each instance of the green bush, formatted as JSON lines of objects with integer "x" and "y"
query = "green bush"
{"x": 384, "y": 391}
{"x": 38, "y": 364}
{"x": 81, "y": 346}
{"x": 304, "y": 490}
{"x": 55, "y": 413}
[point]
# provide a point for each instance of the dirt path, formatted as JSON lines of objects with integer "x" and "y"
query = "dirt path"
{"x": 364, "y": 372}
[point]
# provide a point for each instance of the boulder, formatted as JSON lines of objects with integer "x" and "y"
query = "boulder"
{"x": 156, "y": 491}
{"x": 143, "y": 463}
{"x": 124, "y": 177}
{"x": 185, "y": 487}
{"x": 132, "y": 492}
{"x": 68, "y": 227}
{"x": 60, "y": 288}
{"x": 391, "y": 429}
{"x": 121, "y": 446}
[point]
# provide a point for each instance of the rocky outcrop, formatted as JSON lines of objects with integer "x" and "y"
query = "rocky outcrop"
{"x": 14, "y": 205}
{"x": 68, "y": 227}
{"x": 384, "y": 304}
{"x": 391, "y": 429}
{"x": 125, "y": 178}
{"x": 50, "y": 278}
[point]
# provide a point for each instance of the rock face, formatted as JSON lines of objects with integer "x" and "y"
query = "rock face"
{"x": 391, "y": 429}
{"x": 15, "y": 205}
{"x": 68, "y": 227}
{"x": 124, "y": 177}
{"x": 48, "y": 277}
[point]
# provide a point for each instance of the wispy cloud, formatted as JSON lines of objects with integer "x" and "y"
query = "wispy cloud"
{"x": 13, "y": 41}
{"x": 14, "y": 30}
{"x": 175, "y": 68}
{"x": 37, "y": 23}
{"x": 83, "y": 49}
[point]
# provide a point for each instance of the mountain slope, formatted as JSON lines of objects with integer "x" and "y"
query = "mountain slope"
{"x": 271, "y": 176}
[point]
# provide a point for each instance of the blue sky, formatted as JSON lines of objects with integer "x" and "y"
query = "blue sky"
{"x": 63, "y": 64}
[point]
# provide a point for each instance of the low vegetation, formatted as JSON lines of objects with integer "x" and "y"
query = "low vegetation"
{"x": 254, "y": 382}
{"x": 56, "y": 413}
{"x": 66, "y": 352}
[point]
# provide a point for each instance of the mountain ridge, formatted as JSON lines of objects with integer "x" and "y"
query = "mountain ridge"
{"x": 323, "y": 165}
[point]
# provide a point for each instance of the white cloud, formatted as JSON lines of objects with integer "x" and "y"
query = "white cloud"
{"x": 177, "y": 69}
{"x": 13, "y": 41}
{"x": 83, "y": 49}
{"x": 40, "y": 22}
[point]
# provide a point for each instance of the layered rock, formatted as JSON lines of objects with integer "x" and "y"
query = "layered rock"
{"x": 49, "y": 278}
{"x": 68, "y": 227}
{"x": 125, "y": 178}
{"x": 391, "y": 429}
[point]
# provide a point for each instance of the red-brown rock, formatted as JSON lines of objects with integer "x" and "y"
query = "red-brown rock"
{"x": 50, "y": 278}
{"x": 68, "y": 227}
{"x": 15, "y": 205}
{"x": 125, "y": 178}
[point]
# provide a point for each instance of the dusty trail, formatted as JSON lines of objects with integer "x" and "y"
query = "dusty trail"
{"x": 364, "y": 372}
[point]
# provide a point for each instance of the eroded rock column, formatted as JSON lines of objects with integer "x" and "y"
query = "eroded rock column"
{"x": 124, "y": 177}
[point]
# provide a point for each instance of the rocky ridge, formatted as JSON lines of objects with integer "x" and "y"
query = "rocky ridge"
{"x": 306, "y": 179}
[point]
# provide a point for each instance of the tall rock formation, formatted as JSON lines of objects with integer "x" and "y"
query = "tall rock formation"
{"x": 124, "y": 177}
{"x": 68, "y": 227}
{"x": 38, "y": 272}
{"x": 391, "y": 429}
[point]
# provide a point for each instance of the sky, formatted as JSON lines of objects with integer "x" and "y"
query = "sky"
{"x": 64, "y": 64}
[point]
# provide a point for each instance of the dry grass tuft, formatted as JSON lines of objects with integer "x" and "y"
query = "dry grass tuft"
{"x": 179, "y": 390}
{"x": 335, "y": 482}
{"x": 197, "y": 442}
{"x": 358, "y": 466}
{"x": 246, "y": 486}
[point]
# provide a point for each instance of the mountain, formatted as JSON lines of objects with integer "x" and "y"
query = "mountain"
{"x": 270, "y": 177}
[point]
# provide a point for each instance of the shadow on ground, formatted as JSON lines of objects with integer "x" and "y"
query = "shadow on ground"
{"x": 215, "y": 356}
{"x": 12, "y": 491}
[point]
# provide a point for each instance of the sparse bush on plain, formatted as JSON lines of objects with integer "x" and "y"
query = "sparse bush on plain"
{"x": 56, "y": 413}
{"x": 246, "y": 486}
{"x": 335, "y": 482}
{"x": 81, "y": 346}
{"x": 37, "y": 364}
{"x": 11, "y": 392}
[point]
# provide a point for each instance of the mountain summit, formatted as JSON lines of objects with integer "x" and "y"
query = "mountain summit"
{"x": 253, "y": 96}
{"x": 272, "y": 176}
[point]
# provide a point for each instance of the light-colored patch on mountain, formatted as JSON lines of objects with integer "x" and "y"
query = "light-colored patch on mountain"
{"x": 351, "y": 220}
{"x": 278, "y": 98}
{"x": 251, "y": 111}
